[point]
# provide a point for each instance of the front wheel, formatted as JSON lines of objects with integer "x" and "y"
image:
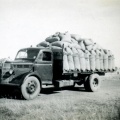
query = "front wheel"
{"x": 92, "y": 83}
{"x": 30, "y": 88}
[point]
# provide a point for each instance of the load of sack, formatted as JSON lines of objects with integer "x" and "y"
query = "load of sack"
{"x": 80, "y": 54}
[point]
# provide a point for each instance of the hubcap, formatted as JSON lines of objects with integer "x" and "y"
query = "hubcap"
{"x": 31, "y": 87}
{"x": 95, "y": 82}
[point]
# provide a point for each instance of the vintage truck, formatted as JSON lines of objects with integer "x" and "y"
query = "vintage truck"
{"x": 34, "y": 67}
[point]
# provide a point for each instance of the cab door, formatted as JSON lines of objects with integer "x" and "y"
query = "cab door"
{"x": 44, "y": 65}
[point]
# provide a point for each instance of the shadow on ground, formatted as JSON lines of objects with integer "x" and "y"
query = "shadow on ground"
{"x": 14, "y": 93}
{"x": 10, "y": 92}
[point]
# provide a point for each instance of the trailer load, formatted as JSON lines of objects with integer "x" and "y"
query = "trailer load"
{"x": 80, "y": 54}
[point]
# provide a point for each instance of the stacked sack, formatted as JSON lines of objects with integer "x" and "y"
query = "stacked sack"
{"x": 80, "y": 54}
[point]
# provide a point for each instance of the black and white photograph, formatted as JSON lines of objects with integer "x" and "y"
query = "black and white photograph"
{"x": 59, "y": 59}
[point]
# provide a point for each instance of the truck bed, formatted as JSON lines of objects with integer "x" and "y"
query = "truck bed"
{"x": 58, "y": 71}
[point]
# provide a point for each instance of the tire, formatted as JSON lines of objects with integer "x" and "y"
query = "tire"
{"x": 86, "y": 83}
{"x": 92, "y": 83}
{"x": 30, "y": 88}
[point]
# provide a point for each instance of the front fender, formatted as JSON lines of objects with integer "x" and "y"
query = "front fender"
{"x": 31, "y": 74}
{"x": 19, "y": 80}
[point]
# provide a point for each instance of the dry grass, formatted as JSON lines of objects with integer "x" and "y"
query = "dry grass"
{"x": 64, "y": 108}
{"x": 65, "y": 105}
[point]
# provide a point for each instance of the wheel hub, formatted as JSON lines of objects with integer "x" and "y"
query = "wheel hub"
{"x": 95, "y": 82}
{"x": 31, "y": 87}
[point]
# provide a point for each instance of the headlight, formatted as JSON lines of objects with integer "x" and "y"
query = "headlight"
{"x": 11, "y": 71}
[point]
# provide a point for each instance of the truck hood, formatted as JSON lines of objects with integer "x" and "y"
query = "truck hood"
{"x": 18, "y": 68}
{"x": 24, "y": 65}
{"x": 23, "y": 61}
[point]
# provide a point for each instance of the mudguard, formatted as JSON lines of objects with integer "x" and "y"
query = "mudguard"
{"x": 35, "y": 74}
{"x": 19, "y": 80}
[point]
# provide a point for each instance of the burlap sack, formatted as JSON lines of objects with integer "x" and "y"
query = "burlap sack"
{"x": 65, "y": 63}
{"x": 44, "y": 44}
{"x": 77, "y": 46}
{"x": 96, "y": 46}
{"x": 76, "y": 37}
{"x": 105, "y": 62}
{"x": 60, "y": 44}
{"x": 113, "y": 62}
{"x": 69, "y": 51}
{"x": 101, "y": 59}
{"x": 93, "y": 52}
{"x": 82, "y": 45}
{"x": 52, "y": 39}
{"x": 101, "y": 62}
{"x": 70, "y": 59}
{"x": 82, "y": 60}
{"x": 88, "y": 42}
{"x": 39, "y": 46}
{"x": 97, "y": 59}
{"x": 56, "y": 49}
{"x": 76, "y": 62}
{"x": 98, "y": 52}
{"x": 66, "y": 37}
{"x": 71, "y": 63}
{"x": 110, "y": 63}
{"x": 87, "y": 60}
{"x": 109, "y": 53}
{"x": 99, "y": 47}
{"x": 76, "y": 59}
{"x": 89, "y": 47}
{"x": 92, "y": 60}
{"x": 105, "y": 51}
{"x": 74, "y": 41}
{"x": 74, "y": 50}
{"x": 56, "y": 34}
{"x": 80, "y": 52}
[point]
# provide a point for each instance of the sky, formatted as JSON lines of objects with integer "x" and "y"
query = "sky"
{"x": 28, "y": 22}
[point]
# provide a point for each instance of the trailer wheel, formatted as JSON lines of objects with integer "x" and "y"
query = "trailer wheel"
{"x": 92, "y": 83}
{"x": 30, "y": 88}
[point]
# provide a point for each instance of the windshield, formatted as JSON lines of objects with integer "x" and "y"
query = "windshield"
{"x": 27, "y": 54}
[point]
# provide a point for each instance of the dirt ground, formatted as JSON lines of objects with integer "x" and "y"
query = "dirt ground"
{"x": 67, "y": 104}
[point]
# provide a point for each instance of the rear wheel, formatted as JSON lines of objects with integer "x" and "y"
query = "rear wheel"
{"x": 92, "y": 83}
{"x": 30, "y": 88}
{"x": 86, "y": 83}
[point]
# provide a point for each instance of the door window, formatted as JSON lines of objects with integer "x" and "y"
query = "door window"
{"x": 46, "y": 56}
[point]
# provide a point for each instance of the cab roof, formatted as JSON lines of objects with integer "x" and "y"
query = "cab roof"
{"x": 34, "y": 48}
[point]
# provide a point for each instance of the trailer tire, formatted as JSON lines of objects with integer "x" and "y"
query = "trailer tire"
{"x": 92, "y": 83}
{"x": 30, "y": 88}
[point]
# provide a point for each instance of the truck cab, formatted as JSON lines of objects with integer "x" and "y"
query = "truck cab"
{"x": 30, "y": 63}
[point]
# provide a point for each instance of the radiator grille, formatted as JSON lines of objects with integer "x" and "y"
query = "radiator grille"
{"x": 21, "y": 66}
